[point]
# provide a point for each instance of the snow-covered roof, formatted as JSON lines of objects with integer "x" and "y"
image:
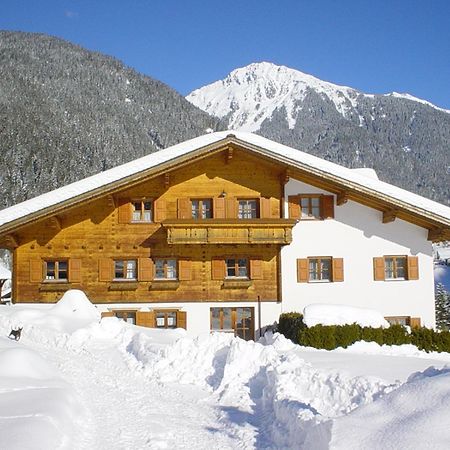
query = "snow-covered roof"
{"x": 41, "y": 204}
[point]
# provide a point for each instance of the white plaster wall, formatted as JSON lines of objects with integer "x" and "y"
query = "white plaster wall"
{"x": 198, "y": 314}
{"x": 357, "y": 234}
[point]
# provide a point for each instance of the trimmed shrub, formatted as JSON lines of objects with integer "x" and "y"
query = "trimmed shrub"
{"x": 333, "y": 336}
{"x": 370, "y": 334}
{"x": 289, "y": 324}
{"x": 347, "y": 335}
{"x": 396, "y": 335}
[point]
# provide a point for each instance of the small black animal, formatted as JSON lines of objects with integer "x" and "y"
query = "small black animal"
{"x": 16, "y": 334}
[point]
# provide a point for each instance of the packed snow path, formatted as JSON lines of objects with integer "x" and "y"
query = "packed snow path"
{"x": 126, "y": 410}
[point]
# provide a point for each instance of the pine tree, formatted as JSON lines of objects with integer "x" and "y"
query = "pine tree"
{"x": 442, "y": 303}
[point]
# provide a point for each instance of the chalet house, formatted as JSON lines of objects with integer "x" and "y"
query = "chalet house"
{"x": 225, "y": 232}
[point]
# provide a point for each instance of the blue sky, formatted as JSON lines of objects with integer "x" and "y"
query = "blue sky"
{"x": 376, "y": 46}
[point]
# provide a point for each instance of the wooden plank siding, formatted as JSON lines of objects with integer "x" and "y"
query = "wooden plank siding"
{"x": 100, "y": 230}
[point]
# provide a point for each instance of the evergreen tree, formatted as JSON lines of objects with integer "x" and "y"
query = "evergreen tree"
{"x": 442, "y": 302}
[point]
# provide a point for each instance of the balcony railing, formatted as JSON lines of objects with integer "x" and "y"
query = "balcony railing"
{"x": 229, "y": 231}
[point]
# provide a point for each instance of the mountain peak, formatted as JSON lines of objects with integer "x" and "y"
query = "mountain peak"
{"x": 252, "y": 93}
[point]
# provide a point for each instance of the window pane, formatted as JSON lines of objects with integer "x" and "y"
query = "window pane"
{"x": 227, "y": 318}
{"x": 206, "y": 209}
{"x": 50, "y": 270}
{"x": 314, "y": 269}
{"x": 231, "y": 267}
{"x": 62, "y": 270}
{"x": 401, "y": 267}
{"x": 215, "y": 319}
{"x": 304, "y": 206}
{"x": 325, "y": 269}
{"x": 195, "y": 209}
{"x": 389, "y": 267}
{"x": 160, "y": 320}
{"x": 171, "y": 268}
{"x": 118, "y": 269}
{"x": 131, "y": 269}
{"x": 172, "y": 320}
{"x": 242, "y": 267}
{"x": 159, "y": 268}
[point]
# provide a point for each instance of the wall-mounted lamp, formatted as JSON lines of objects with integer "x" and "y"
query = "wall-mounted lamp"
{"x": 223, "y": 194}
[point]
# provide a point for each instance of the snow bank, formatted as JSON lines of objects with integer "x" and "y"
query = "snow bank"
{"x": 38, "y": 409}
{"x": 413, "y": 416}
{"x": 287, "y": 395}
{"x": 72, "y": 312}
{"x": 342, "y": 315}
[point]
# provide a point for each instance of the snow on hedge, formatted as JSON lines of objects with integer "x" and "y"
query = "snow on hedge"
{"x": 324, "y": 314}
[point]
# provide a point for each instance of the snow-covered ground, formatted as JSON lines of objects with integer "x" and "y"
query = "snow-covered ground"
{"x": 72, "y": 382}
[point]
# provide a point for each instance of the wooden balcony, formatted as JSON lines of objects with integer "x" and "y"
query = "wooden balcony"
{"x": 229, "y": 231}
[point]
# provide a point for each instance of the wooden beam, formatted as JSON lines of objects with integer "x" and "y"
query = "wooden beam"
{"x": 284, "y": 177}
{"x": 389, "y": 215}
{"x": 342, "y": 198}
{"x": 9, "y": 242}
{"x": 111, "y": 201}
{"x": 166, "y": 180}
{"x": 436, "y": 234}
{"x": 54, "y": 223}
{"x": 228, "y": 154}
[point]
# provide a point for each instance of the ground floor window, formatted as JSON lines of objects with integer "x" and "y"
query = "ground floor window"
{"x": 166, "y": 319}
{"x": 239, "y": 321}
{"x": 127, "y": 316}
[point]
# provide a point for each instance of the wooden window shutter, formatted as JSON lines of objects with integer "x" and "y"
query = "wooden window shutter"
{"x": 145, "y": 319}
{"x": 413, "y": 268}
{"x": 264, "y": 208}
{"x": 338, "y": 269}
{"x": 256, "y": 270}
{"x": 145, "y": 269}
{"x": 327, "y": 206}
{"x": 108, "y": 314}
{"x": 302, "y": 270}
{"x": 219, "y": 208}
{"x": 160, "y": 210}
{"x": 182, "y": 319}
{"x": 75, "y": 270}
{"x": 184, "y": 270}
{"x": 275, "y": 212}
{"x": 294, "y": 207}
{"x": 36, "y": 271}
{"x": 217, "y": 269}
{"x": 105, "y": 269}
{"x": 231, "y": 208}
{"x": 414, "y": 322}
{"x": 184, "y": 208}
{"x": 378, "y": 269}
{"x": 124, "y": 210}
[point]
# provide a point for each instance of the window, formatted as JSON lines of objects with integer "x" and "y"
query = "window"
{"x": 234, "y": 320}
{"x": 236, "y": 268}
{"x": 395, "y": 267}
{"x": 127, "y": 316}
{"x": 142, "y": 211}
{"x": 125, "y": 269}
{"x": 165, "y": 269}
{"x": 166, "y": 319}
{"x": 248, "y": 209}
{"x": 56, "y": 270}
{"x": 201, "y": 208}
{"x": 311, "y": 206}
{"x": 319, "y": 269}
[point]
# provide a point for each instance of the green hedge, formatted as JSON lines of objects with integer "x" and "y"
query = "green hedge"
{"x": 330, "y": 337}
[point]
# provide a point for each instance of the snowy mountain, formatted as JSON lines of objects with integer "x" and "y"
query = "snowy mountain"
{"x": 404, "y": 138}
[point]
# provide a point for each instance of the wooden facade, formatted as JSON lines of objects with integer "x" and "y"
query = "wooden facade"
{"x": 88, "y": 244}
